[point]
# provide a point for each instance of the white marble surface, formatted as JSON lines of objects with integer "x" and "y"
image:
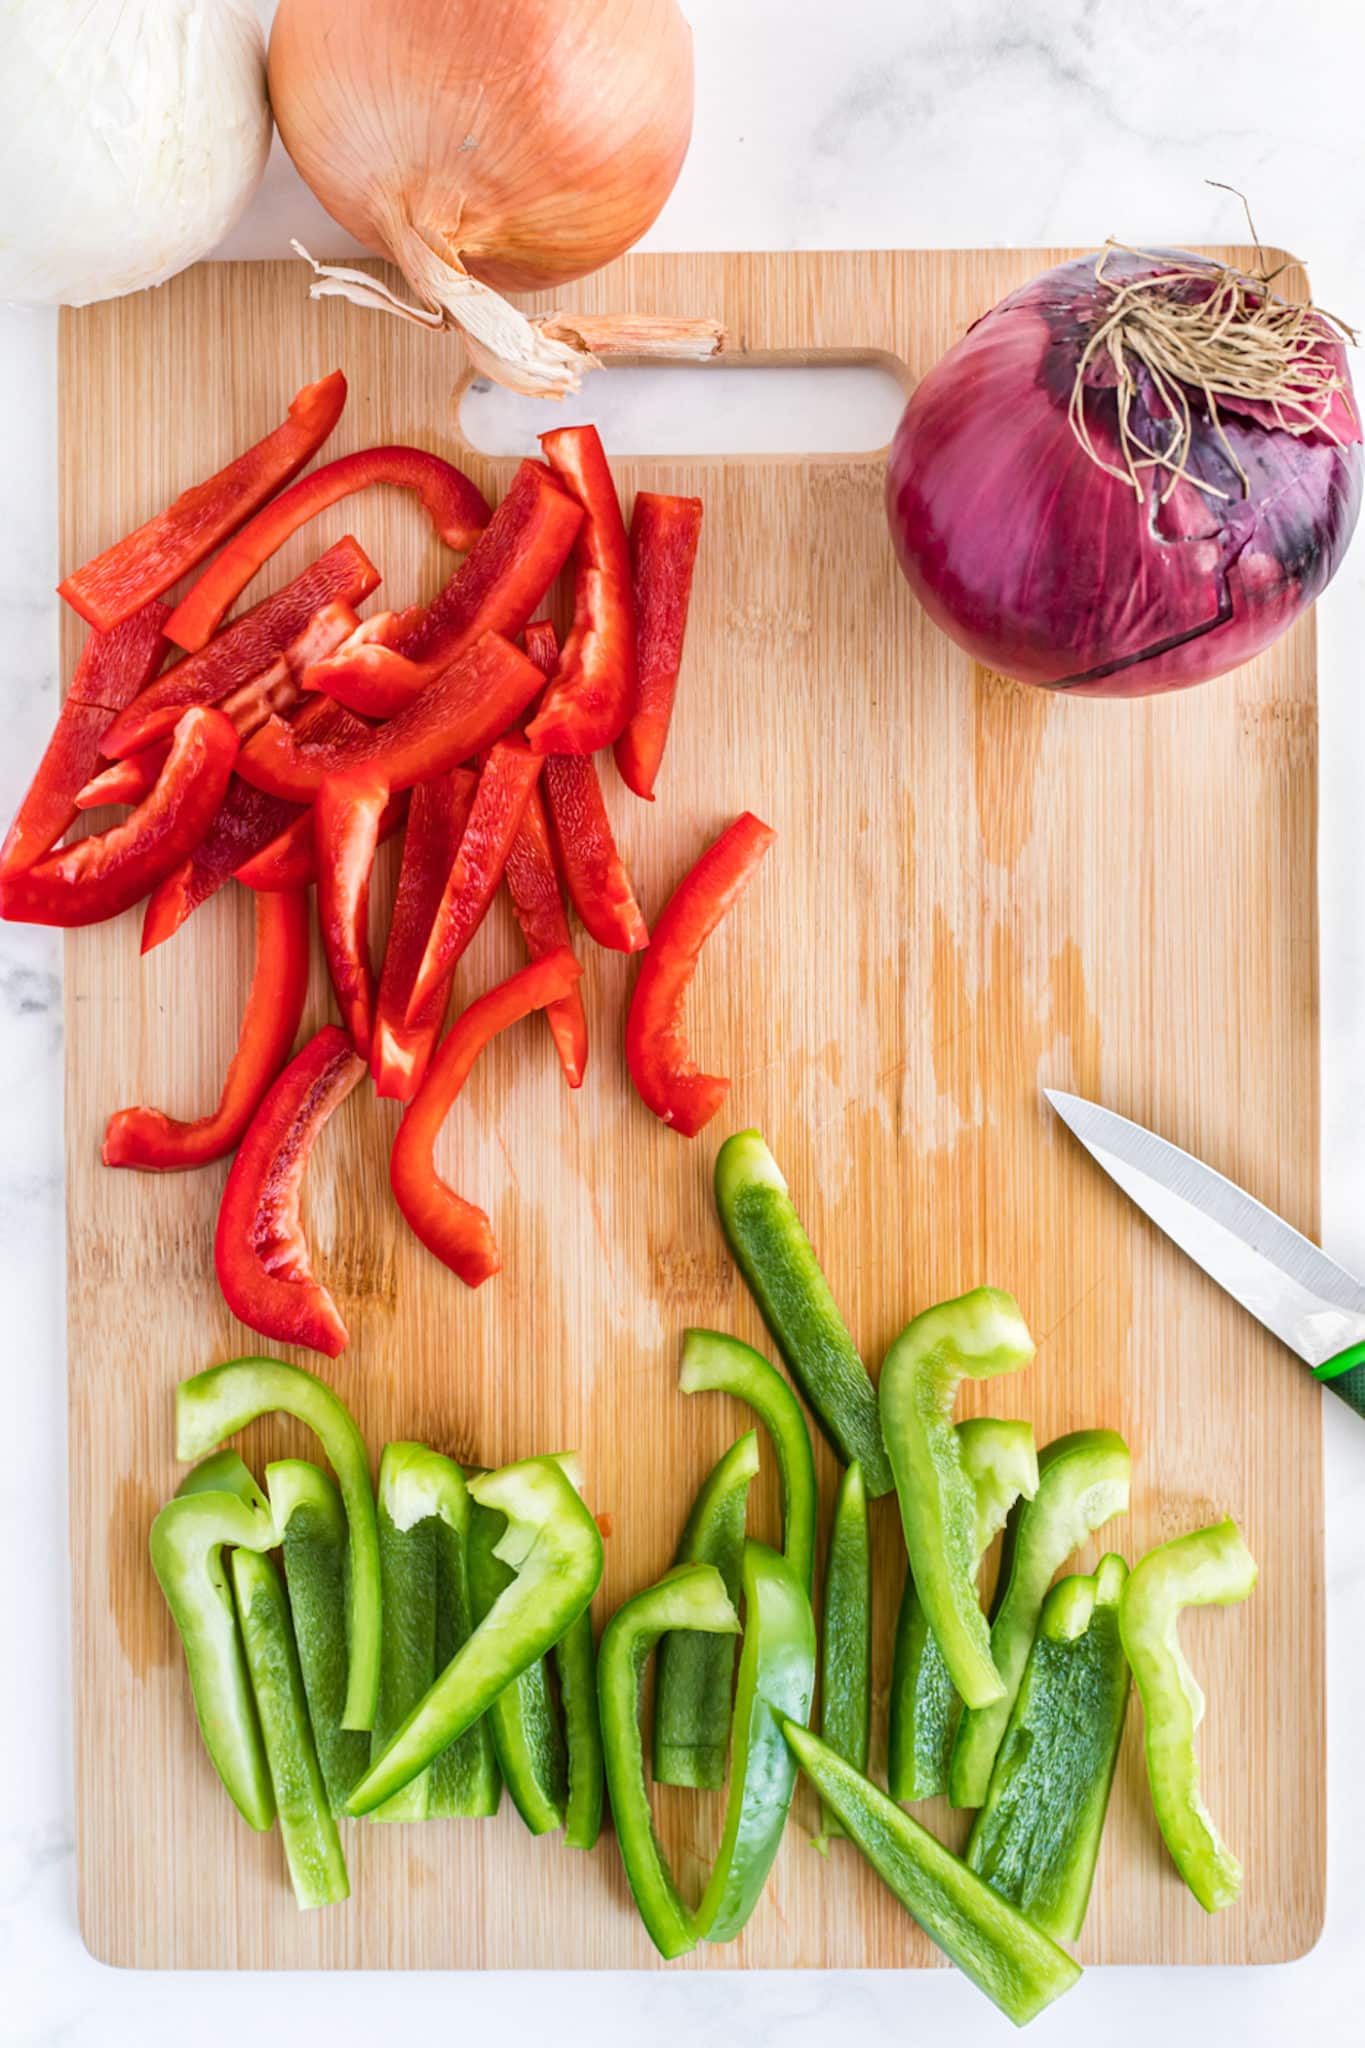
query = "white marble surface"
{"x": 880, "y": 122}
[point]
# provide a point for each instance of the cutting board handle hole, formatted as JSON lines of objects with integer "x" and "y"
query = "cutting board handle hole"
{"x": 839, "y": 407}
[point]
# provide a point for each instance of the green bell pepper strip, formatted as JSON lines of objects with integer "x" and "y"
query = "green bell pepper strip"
{"x": 775, "y": 1256}
{"x": 1036, "y": 1839}
{"x": 715, "y": 1363}
{"x": 1000, "y": 1460}
{"x": 217, "y": 1403}
{"x": 407, "y": 1660}
{"x": 1017, "y": 1966}
{"x": 846, "y": 1649}
{"x": 1208, "y": 1568}
{"x": 575, "y": 1656}
{"x": 1082, "y": 1482}
{"x": 466, "y": 1783}
{"x": 312, "y": 1846}
{"x": 187, "y": 1542}
{"x": 553, "y": 1545}
{"x": 312, "y": 1526}
{"x": 692, "y": 1596}
{"x": 776, "y": 1683}
{"x": 695, "y": 1671}
{"x": 527, "y": 1737}
{"x": 978, "y": 1336}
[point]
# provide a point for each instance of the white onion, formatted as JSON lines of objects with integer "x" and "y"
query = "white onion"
{"x": 132, "y": 135}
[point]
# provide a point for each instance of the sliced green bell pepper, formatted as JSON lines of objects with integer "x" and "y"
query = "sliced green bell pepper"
{"x": 312, "y": 1526}
{"x": 553, "y": 1545}
{"x": 407, "y": 1662}
{"x": 575, "y": 1656}
{"x": 692, "y": 1596}
{"x": 695, "y": 1671}
{"x": 1036, "y": 1839}
{"x": 1013, "y": 1962}
{"x": 776, "y": 1258}
{"x": 312, "y": 1846}
{"x": 1000, "y": 1460}
{"x": 846, "y": 1648}
{"x": 776, "y": 1683}
{"x": 466, "y": 1783}
{"x": 527, "y": 1738}
{"x": 187, "y": 1542}
{"x": 1208, "y": 1567}
{"x": 217, "y": 1403}
{"x": 978, "y": 1336}
{"x": 1082, "y": 1482}
{"x": 227, "y": 1472}
{"x": 715, "y": 1363}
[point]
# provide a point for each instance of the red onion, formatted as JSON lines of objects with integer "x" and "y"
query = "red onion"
{"x": 1130, "y": 475}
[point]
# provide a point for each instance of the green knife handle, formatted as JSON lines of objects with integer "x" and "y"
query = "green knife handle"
{"x": 1345, "y": 1375}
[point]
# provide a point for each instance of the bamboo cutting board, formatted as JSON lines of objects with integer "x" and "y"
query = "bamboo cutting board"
{"x": 975, "y": 891}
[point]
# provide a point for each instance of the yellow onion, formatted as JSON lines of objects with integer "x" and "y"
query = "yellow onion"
{"x": 488, "y": 146}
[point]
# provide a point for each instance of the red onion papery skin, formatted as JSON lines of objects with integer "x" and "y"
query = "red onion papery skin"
{"x": 1048, "y": 570}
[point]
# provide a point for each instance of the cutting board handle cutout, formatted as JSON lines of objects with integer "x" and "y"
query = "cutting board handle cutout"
{"x": 832, "y": 406}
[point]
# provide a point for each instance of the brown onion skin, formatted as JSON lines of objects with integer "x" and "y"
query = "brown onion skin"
{"x": 1107, "y": 597}
{"x": 598, "y": 116}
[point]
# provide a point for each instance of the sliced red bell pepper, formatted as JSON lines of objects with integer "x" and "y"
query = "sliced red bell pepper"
{"x": 476, "y": 699}
{"x": 109, "y": 872}
{"x": 667, "y": 1078}
{"x": 598, "y": 882}
{"x": 124, "y": 782}
{"x": 157, "y": 1143}
{"x": 289, "y": 861}
{"x": 532, "y": 880}
{"x": 664, "y": 533}
{"x": 515, "y": 560}
{"x": 400, "y": 1055}
{"x": 111, "y": 586}
{"x": 245, "y": 821}
{"x": 505, "y": 783}
{"x": 456, "y": 509}
{"x": 590, "y": 699}
{"x": 458, "y": 1233}
{"x": 259, "y": 1248}
{"x": 346, "y": 834}
{"x": 242, "y": 650}
{"x": 112, "y": 668}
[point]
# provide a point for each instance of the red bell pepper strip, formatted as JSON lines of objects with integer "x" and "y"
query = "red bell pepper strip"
{"x": 400, "y": 1055}
{"x": 667, "y": 1078}
{"x": 157, "y": 1143}
{"x": 101, "y": 876}
{"x": 599, "y": 885}
{"x": 259, "y": 1248}
{"x": 532, "y": 880}
{"x": 455, "y": 508}
{"x": 458, "y": 1233}
{"x": 346, "y": 834}
{"x": 111, "y": 670}
{"x": 513, "y": 563}
{"x": 289, "y": 861}
{"x": 590, "y": 699}
{"x": 507, "y": 779}
{"x": 242, "y": 650}
{"x": 142, "y": 565}
{"x": 465, "y": 710}
{"x": 664, "y": 533}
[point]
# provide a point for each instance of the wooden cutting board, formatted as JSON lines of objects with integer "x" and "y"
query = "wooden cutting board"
{"x": 975, "y": 890}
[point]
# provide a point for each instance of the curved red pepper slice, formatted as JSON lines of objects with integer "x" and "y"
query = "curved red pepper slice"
{"x": 664, "y": 532}
{"x": 456, "y": 508}
{"x": 289, "y": 861}
{"x": 259, "y": 1248}
{"x": 458, "y": 1233}
{"x": 505, "y": 784}
{"x": 597, "y": 879}
{"x": 112, "y": 669}
{"x": 109, "y": 872}
{"x": 239, "y": 653}
{"x": 400, "y": 1054}
{"x": 157, "y": 1143}
{"x": 108, "y": 588}
{"x": 590, "y": 699}
{"x": 532, "y": 880}
{"x": 667, "y": 1078}
{"x": 511, "y": 566}
{"x": 346, "y": 834}
{"x": 468, "y": 707}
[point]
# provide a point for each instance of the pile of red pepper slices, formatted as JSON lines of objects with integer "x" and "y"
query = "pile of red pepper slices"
{"x": 280, "y": 749}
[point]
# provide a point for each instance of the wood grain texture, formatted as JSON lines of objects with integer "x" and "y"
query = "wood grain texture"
{"x": 975, "y": 891}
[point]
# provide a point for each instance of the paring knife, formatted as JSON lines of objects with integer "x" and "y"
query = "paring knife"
{"x": 1306, "y": 1299}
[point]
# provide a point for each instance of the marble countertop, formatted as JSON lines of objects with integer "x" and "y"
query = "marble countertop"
{"x": 967, "y": 123}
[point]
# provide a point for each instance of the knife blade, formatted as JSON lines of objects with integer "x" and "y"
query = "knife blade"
{"x": 1313, "y": 1305}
